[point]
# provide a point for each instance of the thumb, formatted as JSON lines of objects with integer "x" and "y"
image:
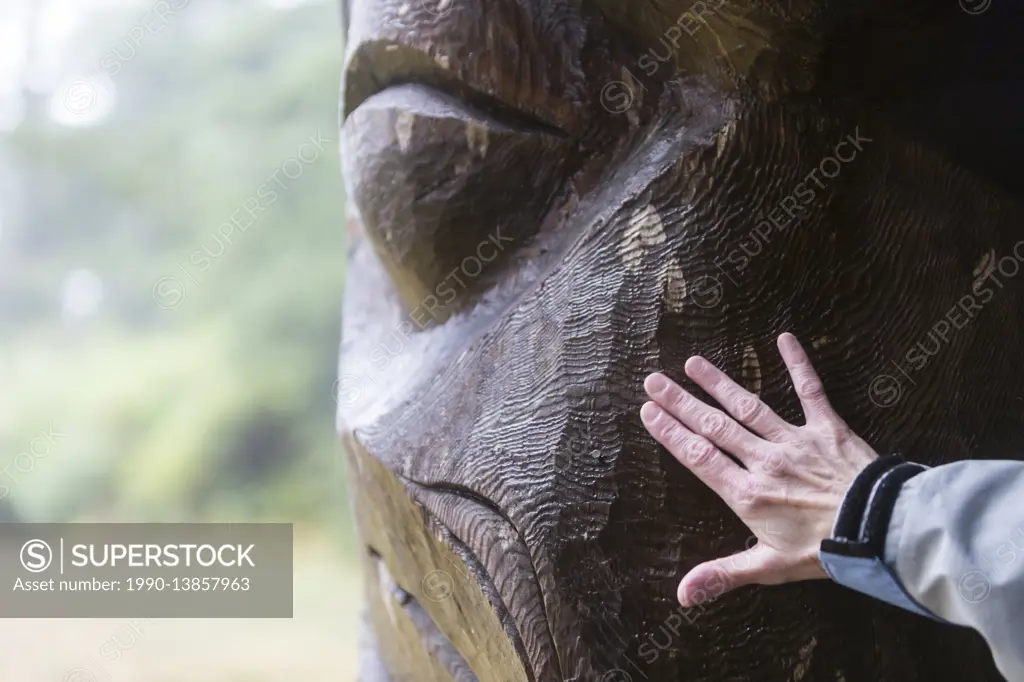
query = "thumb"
{"x": 710, "y": 580}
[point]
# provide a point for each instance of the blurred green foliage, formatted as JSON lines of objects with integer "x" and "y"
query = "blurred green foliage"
{"x": 212, "y": 402}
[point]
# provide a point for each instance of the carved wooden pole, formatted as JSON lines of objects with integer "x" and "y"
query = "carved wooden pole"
{"x": 555, "y": 198}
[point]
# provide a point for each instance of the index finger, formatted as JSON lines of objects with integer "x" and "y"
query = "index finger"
{"x": 696, "y": 453}
{"x": 746, "y": 407}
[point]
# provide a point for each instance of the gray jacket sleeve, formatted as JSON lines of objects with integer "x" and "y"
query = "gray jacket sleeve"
{"x": 944, "y": 542}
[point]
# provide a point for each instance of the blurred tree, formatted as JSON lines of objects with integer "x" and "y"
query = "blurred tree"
{"x": 192, "y": 378}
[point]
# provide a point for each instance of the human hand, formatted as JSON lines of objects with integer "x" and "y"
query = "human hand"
{"x": 795, "y": 477}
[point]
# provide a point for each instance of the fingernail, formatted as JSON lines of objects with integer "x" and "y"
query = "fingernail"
{"x": 650, "y": 414}
{"x": 696, "y": 365}
{"x": 655, "y": 384}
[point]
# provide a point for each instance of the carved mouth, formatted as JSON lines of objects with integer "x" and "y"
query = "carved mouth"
{"x": 434, "y": 641}
{"x": 428, "y": 589}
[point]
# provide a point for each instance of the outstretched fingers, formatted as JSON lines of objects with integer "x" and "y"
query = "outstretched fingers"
{"x": 741, "y": 403}
{"x": 702, "y": 419}
{"x": 696, "y": 453}
{"x": 798, "y": 477}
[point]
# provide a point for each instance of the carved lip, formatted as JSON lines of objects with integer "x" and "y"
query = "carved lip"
{"x": 471, "y": 551}
{"x": 430, "y": 635}
{"x": 434, "y": 577}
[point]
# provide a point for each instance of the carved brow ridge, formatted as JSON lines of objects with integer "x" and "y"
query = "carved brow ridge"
{"x": 382, "y": 64}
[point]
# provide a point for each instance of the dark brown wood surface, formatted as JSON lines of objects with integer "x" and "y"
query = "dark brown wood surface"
{"x": 544, "y": 215}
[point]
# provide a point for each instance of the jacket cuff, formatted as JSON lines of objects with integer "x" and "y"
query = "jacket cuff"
{"x": 855, "y": 554}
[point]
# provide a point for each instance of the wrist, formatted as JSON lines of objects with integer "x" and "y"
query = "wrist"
{"x": 862, "y": 495}
{"x": 854, "y": 556}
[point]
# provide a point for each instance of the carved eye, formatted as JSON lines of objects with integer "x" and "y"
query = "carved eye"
{"x": 462, "y": 127}
{"x": 447, "y": 193}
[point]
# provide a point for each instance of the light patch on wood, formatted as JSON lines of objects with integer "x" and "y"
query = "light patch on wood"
{"x": 442, "y": 61}
{"x": 751, "y": 370}
{"x": 353, "y": 61}
{"x": 477, "y": 138}
{"x": 821, "y": 341}
{"x": 739, "y": 41}
{"x": 645, "y": 231}
{"x": 386, "y": 587}
{"x": 403, "y": 129}
{"x": 675, "y": 287}
{"x": 804, "y": 664}
{"x": 984, "y": 267}
{"x": 635, "y": 92}
{"x": 403, "y": 9}
{"x": 723, "y": 138}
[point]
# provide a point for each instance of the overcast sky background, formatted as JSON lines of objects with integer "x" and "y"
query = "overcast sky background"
{"x": 60, "y": 52}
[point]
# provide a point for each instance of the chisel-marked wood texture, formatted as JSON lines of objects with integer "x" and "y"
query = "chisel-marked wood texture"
{"x": 552, "y": 199}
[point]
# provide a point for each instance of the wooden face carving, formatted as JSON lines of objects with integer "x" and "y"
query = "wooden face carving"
{"x": 551, "y": 199}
